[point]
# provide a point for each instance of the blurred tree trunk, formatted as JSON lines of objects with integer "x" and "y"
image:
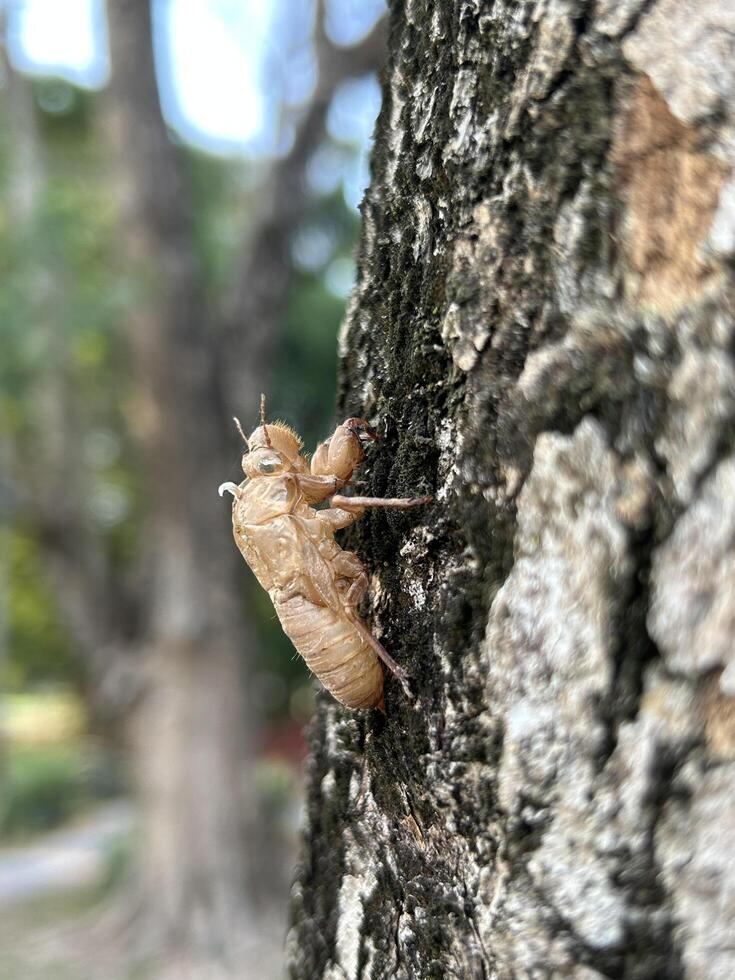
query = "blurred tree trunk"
{"x": 192, "y": 734}
{"x": 192, "y": 737}
{"x": 264, "y": 271}
{"x": 542, "y": 331}
{"x": 166, "y": 650}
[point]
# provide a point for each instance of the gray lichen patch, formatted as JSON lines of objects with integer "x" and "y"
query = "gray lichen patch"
{"x": 358, "y": 883}
{"x": 550, "y": 647}
{"x": 696, "y": 846}
{"x": 551, "y": 625}
{"x": 701, "y": 397}
{"x": 692, "y": 616}
{"x": 475, "y": 265}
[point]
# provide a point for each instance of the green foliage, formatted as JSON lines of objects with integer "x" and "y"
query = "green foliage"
{"x": 62, "y": 296}
{"x": 38, "y": 646}
{"x": 63, "y": 374}
{"x": 43, "y": 786}
{"x": 50, "y": 768}
{"x": 275, "y": 784}
{"x": 65, "y": 112}
{"x": 220, "y": 197}
{"x": 305, "y": 372}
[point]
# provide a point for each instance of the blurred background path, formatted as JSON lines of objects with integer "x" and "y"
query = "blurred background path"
{"x": 74, "y": 857}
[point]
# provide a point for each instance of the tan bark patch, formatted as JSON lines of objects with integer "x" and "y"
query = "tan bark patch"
{"x": 670, "y": 189}
{"x": 719, "y": 719}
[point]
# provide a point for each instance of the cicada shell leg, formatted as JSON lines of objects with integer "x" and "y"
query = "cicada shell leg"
{"x": 393, "y": 667}
{"x": 348, "y": 566}
{"x": 389, "y": 503}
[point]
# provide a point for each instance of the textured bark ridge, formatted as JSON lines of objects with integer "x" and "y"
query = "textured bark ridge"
{"x": 542, "y": 331}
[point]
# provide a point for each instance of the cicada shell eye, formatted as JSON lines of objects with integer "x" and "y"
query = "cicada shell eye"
{"x": 262, "y": 462}
{"x": 270, "y": 464}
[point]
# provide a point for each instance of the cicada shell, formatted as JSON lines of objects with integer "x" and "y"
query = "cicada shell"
{"x": 315, "y": 586}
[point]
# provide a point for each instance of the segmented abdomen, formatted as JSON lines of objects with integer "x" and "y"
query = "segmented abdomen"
{"x": 334, "y": 650}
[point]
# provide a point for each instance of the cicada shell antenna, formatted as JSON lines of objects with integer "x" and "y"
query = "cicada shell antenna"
{"x": 238, "y": 425}
{"x": 262, "y": 422}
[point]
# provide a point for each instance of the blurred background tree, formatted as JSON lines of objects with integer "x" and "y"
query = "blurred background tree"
{"x": 156, "y": 278}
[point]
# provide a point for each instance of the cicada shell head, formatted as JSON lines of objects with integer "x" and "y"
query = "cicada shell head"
{"x": 274, "y": 448}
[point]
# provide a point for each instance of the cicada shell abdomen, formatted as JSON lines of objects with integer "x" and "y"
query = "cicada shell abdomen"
{"x": 335, "y": 651}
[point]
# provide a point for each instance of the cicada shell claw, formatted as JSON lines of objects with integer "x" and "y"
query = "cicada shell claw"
{"x": 230, "y": 488}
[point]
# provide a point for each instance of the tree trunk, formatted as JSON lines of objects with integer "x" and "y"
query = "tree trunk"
{"x": 542, "y": 332}
{"x": 264, "y": 270}
{"x": 191, "y": 737}
{"x": 165, "y": 647}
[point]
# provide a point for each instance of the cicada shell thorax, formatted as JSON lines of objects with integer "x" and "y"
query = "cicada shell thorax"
{"x": 264, "y": 533}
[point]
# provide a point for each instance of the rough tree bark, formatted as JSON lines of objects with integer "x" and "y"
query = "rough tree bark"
{"x": 542, "y": 330}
